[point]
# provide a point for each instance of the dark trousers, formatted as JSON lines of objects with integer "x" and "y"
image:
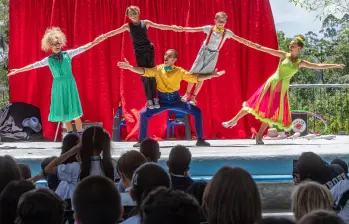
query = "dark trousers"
{"x": 146, "y": 60}
{"x": 170, "y": 101}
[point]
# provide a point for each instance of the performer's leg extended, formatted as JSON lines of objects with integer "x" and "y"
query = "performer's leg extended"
{"x": 196, "y": 112}
{"x": 143, "y": 123}
{"x": 180, "y": 106}
{"x": 232, "y": 122}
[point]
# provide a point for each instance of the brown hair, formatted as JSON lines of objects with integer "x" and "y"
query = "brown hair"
{"x": 221, "y": 14}
{"x": 8, "y": 171}
{"x": 236, "y": 190}
{"x": 321, "y": 217}
{"x": 25, "y": 171}
{"x": 300, "y": 40}
{"x": 310, "y": 196}
{"x": 132, "y": 8}
{"x": 51, "y": 37}
{"x": 129, "y": 162}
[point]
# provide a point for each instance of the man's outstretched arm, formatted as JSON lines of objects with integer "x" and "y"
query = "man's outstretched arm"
{"x": 126, "y": 65}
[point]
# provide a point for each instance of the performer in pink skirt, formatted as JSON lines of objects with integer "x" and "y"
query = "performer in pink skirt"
{"x": 270, "y": 103}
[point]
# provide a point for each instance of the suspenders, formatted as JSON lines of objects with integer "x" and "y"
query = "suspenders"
{"x": 220, "y": 43}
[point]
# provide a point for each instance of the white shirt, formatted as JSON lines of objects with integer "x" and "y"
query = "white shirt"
{"x": 70, "y": 173}
{"x": 63, "y": 190}
{"x": 337, "y": 192}
{"x": 71, "y": 53}
{"x": 216, "y": 37}
{"x": 126, "y": 199}
{"x": 133, "y": 220}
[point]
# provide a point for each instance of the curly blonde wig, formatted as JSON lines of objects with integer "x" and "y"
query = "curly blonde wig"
{"x": 53, "y": 36}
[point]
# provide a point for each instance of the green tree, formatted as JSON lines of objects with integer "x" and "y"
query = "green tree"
{"x": 324, "y": 7}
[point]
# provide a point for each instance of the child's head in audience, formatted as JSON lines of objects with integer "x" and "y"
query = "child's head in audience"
{"x": 311, "y": 167}
{"x": 150, "y": 149}
{"x": 25, "y": 171}
{"x": 321, "y": 217}
{"x": 165, "y": 205}
{"x": 95, "y": 141}
{"x": 127, "y": 165}
{"x": 310, "y": 196}
{"x": 8, "y": 171}
{"x": 9, "y": 199}
{"x": 146, "y": 178}
{"x": 96, "y": 200}
{"x": 179, "y": 160}
{"x": 40, "y": 206}
{"x": 52, "y": 179}
{"x": 236, "y": 190}
{"x": 342, "y": 164}
{"x": 69, "y": 141}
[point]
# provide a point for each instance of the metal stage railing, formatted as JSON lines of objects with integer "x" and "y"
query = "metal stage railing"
{"x": 329, "y": 101}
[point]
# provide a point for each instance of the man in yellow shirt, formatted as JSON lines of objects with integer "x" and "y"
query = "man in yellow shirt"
{"x": 168, "y": 78}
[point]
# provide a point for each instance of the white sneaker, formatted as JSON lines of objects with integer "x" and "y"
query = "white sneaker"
{"x": 193, "y": 102}
{"x": 150, "y": 104}
{"x": 185, "y": 98}
{"x": 156, "y": 103}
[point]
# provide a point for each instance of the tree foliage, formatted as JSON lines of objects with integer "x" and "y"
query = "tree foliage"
{"x": 324, "y": 7}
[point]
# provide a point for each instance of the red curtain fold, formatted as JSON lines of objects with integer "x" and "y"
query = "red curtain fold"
{"x": 102, "y": 85}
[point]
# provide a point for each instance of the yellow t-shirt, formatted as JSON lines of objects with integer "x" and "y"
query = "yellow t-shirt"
{"x": 169, "y": 81}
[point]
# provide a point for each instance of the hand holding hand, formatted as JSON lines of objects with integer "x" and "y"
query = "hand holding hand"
{"x": 340, "y": 66}
{"x": 13, "y": 72}
{"x": 177, "y": 28}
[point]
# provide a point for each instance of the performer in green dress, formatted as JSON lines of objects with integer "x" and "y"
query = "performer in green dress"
{"x": 65, "y": 102}
{"x": 270, "y": 103}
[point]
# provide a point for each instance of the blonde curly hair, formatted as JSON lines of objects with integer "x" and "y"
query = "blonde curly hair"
{"x": 53, "y": 36}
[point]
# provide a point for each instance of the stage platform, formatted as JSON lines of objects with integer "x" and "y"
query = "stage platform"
{"x": 273, "y": 158}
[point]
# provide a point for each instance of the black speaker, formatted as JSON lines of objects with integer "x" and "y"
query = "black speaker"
{"x": 300, "y": 124}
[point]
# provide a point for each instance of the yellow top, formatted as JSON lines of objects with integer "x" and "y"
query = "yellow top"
{"x": 169, "y": 81}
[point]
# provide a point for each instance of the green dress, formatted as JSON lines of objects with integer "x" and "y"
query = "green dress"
{"x": 270, "y": 102}
{"x": 65, "y": 101}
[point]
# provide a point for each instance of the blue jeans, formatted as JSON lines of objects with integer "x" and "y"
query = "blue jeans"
{"x": 170, "y": 101}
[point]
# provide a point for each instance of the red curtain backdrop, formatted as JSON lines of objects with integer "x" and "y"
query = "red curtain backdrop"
{"x": 102, "y": 85}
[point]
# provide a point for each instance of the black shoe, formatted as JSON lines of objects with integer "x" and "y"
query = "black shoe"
{"x": 202, "y": 142}
{"x": 137, "y": 145}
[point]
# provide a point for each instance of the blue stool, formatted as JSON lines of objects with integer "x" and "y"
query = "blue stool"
{"x": 178, "y": 118}
{"x": 119, "y": 121}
